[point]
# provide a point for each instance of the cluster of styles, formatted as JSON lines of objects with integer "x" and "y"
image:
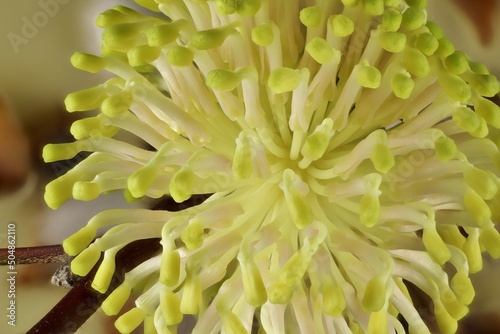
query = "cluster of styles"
{"x": 297, "y": 116}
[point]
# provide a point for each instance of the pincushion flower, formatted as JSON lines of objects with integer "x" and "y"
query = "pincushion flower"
{"x": 349, "y": 151}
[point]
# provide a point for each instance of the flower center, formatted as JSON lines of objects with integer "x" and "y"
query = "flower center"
{"x": 302, "y": 122}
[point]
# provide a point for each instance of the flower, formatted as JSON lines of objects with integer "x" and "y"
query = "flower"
{"x": 349, "y": 149}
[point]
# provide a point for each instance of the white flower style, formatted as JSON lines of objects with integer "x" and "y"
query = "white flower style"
{"x": 349, "y": 151}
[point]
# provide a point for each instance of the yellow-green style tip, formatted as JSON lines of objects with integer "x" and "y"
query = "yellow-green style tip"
{"x": 193, "y": 234}
{"x": 191, "y": 297}
{"x": 334, "y": 302}
{"x": 180, "y": 56}
{"x": 86, "y": 99}
{"x": 226, "y": 7}
{"x": 427, "y": 43}
{"x": 181, "y": 185}
{"x": 436, "y": 247}
{"x": 317, "y": 142}
{"x": 413, "y": 18}
{"x": 129, "y": 321}
{"x": 391, "y": 19}
{"x": 117, "y": 104}
{"x": 211, "y": 38}
{"x": 78, "y": 241}
{"x": 142, "y": 55}
{"x": 139, "y": 182}
{"x": 92, "y": 127}
{"x": 88, "y": 62}
{"x": 402, "y": 85}
{"x": 472, "y": 250}
{"x": 462, "y": 286}
{"x": 374, "y": 7}
{"x": 446, "y": 323}
{"x": 466, "y": 119}
{"x": 223, "y": 80}
{"x": 284, "y": 79}
{"x": 382, "y": 158}
{"x": 104, "y": 274}
{"x": 445, "y": 47}
{"x": 341, "y": 25}
{"x": 446, "y": 149}
{"x": 483, "y": 183}
{"x": 435, "y": 29}
{"x": 321, "y": 51}
{"x": 85, "y": 261}
{"x": 170, "y": 307}
{"x": 299, "y": 210}
{"x": 163, "y": 34}
{"x": 392, "y": 41}
{"x": 295, "y": 268}
{"x": 374, "y": 295}
{"x": 490, "y": 240}
{"x": 116, "y": 300}
{"x": 456, "y": 63}
{"x": 378, "y": 323}
{"x": 118, "y": 15}
{"x": 416, "y": 62}
{"x": 85, "y": 191}
{"x": 253, "y": 286}
{"x": 476, "y": 206}
{"x": 369, "y": 210}
{"x": 122, "y": 37}
{"x": 230, "y": 322}
{"x": 456, "y": 309}
{"x": 242, "y": 166}
{"x": 262, "y": 35}
{"x": 170, "y": 267}
{"x": 248, "y": 8}
{"x": 488, "y": 110}
{"x": 57, "y": 192}
{"x": 456, "y": 88}
{"x": 484, "y": 84}
{"x": 311, "y": 16}
{"x": 279, "y": 293}
{"x": 369, "y": 76}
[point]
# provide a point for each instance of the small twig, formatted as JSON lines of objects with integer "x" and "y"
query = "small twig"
{"x": 32, "y": 255}
{"x": 73, "y": 310}
{"x": 82, "y": 301}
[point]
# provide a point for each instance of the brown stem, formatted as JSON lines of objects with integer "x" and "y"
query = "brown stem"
{"x": 82, "y": 301}
{"x": 32, "y": 255}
